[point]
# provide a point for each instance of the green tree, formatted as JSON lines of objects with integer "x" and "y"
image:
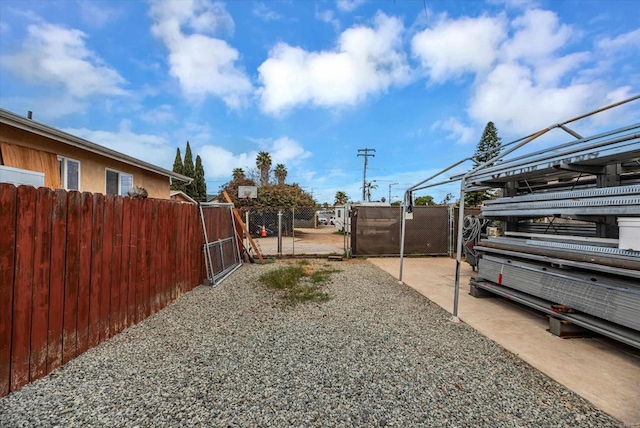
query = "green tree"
{"x": 280, "y": 173}
{"x": 263, "y": 162}
{"x": 190, "y": 171}
{"x": 424, "y": 200}
{"x": 200, "y": 183}
{"x": 178, "y": 168}
{"x": 238, "y": 173}
{"x": 488, "y": 147}
{"x": 448, "y": 199}
{"x": 396, "y": 203}
{"x": 341, "y": 198}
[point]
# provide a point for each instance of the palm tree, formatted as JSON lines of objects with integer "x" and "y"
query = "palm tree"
{"x": 341, "y": 198}
{"x": 238, "y": 174}
{"x": 281, "y": 173}
{"x": 263, "y": 162}
{"x": 370, "y": 186}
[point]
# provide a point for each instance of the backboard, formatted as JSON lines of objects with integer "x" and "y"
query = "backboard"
{"x": 247, "y": 192}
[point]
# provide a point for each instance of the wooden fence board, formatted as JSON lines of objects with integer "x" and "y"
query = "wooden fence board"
{"x": 41, "y": 269}
{"x": 23, "y": 287}
{"x": 141, "y": 269}
{"x": 174, "y": 251}
{"x": 164, "y": 248}
{"x": 72, "y": 276}
{"x": 8, "y": 204}
{"x": 153, "y": 257}
{"x": 124, "y": 275}
{"x": 84, "y": 282}
{"x": 133, "y": 256}
{"x": 96, "y": 270}
{"x": 107, "y": 261}
{"x": 148, "y": 206}
{"x": 56, "y": 279}
{"x": 114, "y": 312}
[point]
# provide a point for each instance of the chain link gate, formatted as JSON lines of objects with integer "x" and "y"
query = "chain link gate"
{"x": 376, "y": 230}
{"x": 221, "y": 250}
{"x": 286, "y": 231}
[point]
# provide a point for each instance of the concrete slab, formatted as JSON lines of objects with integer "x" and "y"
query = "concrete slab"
{"x": 602, "y": 371}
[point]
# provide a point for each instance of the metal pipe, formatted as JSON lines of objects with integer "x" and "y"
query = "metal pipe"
{"x": 279, "y": 233}
{"x": 403, "y": 230}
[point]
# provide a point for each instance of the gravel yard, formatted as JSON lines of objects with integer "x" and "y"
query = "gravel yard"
{"x": 376, "y": 354}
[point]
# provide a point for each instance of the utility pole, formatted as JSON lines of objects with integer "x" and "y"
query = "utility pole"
{"x": 390, "y": 184}
{"x": 365, "y": 153}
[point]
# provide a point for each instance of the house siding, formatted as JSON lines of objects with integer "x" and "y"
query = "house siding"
{"x": 92, "y": 169}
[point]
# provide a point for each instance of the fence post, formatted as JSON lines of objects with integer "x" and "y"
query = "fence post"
{"x": 293, "y": 231}
{"x": 279, "y": 233}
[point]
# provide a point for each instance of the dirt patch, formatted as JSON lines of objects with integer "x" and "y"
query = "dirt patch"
{"x": 322, "y": 235}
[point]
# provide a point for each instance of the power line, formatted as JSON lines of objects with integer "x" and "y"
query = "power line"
{"x": 365, "y": 154}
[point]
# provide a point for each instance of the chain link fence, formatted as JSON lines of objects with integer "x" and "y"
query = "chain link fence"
{"x": 369, "y": 231}
{"x": 282, "y": 231}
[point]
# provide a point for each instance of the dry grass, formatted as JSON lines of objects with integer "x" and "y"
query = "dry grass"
{"x": 299, "y": 282}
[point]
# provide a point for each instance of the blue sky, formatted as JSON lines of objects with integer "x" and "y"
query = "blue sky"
{"x": 311, "y": 82}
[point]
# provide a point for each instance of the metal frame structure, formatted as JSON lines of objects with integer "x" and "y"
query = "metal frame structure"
{"x": 583, "y": 155}
{"x": 215, "y": 278}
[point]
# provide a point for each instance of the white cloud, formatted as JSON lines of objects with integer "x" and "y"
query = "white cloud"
{"x": 454, "y": 47}
{"x": 626, "y": 41}
{"x": 262, "y": 11}
{"x": 287, "y": 151}
{"x": 203, "y": 65}
{"x": 96, "y": 14}
{"x": 149, "y": 148}
{"x": 349, "y": 5}
{"x": 510, "y": 98}
{"x": 58, "y": 56}
{"x": 366, "y": 61}
{"x": 538, "y": 35}
{"x": 328, "y": 17}
{"x": 161, "y": 114}
{"x": 457, "y": 130}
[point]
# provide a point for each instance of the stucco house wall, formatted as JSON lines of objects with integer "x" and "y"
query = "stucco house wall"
{"x": 93, "y": 165}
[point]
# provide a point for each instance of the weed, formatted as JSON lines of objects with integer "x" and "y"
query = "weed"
{"x": 299, "y": 283}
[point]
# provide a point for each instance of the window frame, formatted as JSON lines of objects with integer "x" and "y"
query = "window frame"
{"x": 120, "y": 173}
{"x": 64, "y": 178}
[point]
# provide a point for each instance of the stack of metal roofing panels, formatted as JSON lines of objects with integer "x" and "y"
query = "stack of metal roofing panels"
{"x": 620, "y": 200}
{"x": 613, "y": 299}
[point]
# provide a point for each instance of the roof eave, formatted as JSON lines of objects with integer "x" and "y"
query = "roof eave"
{"x": 17, "y": 121}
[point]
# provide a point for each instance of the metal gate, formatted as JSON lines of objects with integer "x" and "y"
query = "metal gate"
{"x": 286, "y": 231}
{"x": 376, "y": 230}
{"x": 221, "y": 250}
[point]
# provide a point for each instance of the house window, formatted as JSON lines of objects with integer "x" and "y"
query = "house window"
{"x": 118, "y": 183}
{"x": 69, "y": 173}
{"x": 339, "y": 212}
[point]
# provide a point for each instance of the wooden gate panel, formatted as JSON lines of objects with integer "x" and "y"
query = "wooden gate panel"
{"x": 22, "y": 287}
{"x": 8, "y": 208}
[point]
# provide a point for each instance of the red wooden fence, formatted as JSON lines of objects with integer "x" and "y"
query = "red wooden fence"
{"x": 77, "y": 268}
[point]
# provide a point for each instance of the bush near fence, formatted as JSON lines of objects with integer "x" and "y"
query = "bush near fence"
{"x": 77, "y": 268}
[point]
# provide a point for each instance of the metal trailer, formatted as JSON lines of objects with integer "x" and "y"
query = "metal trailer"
{"x": 584, "y": 186}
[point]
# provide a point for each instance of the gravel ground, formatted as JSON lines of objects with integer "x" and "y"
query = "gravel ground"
{"x": 376, "y": 354}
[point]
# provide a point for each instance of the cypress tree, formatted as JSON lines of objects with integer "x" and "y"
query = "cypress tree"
{"x": 178, "y": 168}
{"x": 488, "y": 147}
{"x": 201, "y": 184}
{"x": 190, "y": 171}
